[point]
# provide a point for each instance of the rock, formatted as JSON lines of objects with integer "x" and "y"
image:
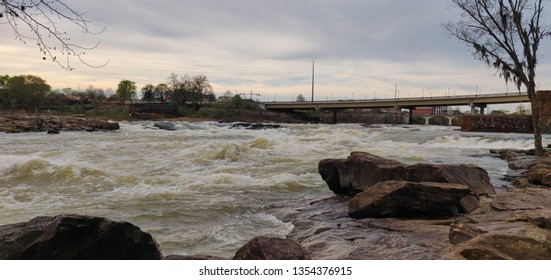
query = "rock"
{"x": 494, "y": 246}
{"x": 271, "y": 248}
{"x": 539, "y": 172}
{"x": 401, "y": 199}
{"x": 539, "y": 219}
{"x": 255, "y": 126}
{"x": 329, "y": 169}
{"x": 472, "y": 176}
{"x": 72, "y": 237}
{"x": 53, "y": 131}
{"x": 468, "y": 204}
{"x": 460, "y": 232}
{"x": 193, "y": 257}
{"x": 324, "y": 229}
{"x": 360, "y": 170}
{"x": 59, "y": 123}
{"x": 363, "y": 170}
{"x": 106, "y": 125}
{"x": 165, "y": 125}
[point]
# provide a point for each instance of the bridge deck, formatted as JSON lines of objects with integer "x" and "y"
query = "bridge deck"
{"x": 464, "y": 100}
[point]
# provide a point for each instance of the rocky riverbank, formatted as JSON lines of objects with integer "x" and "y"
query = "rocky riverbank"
{"x": 382, "y": 209}
{"x": 513, "y": 224}
{"x": 53, "y": 124}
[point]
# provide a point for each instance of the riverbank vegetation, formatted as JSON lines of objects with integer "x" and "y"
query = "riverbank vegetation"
{"x": 186, "y": 96}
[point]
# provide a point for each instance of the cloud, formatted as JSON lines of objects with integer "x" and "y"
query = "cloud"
{"x": 268, "y": 46}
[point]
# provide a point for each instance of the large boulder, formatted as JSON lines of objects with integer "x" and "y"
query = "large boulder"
{"x": 401, "y": 199}
{"x": 363, "y": 170}
{"x": 71, "y": 237}
{"x": 360, "y": 170}
{"x": 271, "y": 248}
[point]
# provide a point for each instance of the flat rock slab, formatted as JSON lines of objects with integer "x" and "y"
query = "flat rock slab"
{"x": 324, "y": 229}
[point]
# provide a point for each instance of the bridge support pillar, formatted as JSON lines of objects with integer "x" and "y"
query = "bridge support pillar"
{"x": 482, "y": 108}
{"x": 410, "y": 116}
{"x": 427, "y": 120}
{"x": 450, "y": 119}
{"x": 334, "y": 116}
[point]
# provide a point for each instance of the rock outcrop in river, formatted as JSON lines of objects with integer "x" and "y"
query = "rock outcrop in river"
{"x": 387, "y": 188}
{"x": 52, "y": 124}
{"x": 513, "y": 224}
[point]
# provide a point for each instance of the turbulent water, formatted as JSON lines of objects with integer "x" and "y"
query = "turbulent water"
{"x": 205, "y": 188}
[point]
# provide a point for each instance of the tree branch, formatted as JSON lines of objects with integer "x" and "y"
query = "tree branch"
{"x": 40, "y": 21}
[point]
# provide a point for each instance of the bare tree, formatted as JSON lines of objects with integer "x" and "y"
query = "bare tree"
{"x": 505, "y": 35}
{"x": 41, "y": 22}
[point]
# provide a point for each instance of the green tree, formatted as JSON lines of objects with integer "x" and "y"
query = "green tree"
{"x": 26, "y": 91}
{"x": 4, "y": 80}
{"x": 126, "y": 90}
{"x": 301, "y": 98}
{"x": 505, "y": 35}
{"x": 148, "y": 93}
{"x": 4, "y": 90}
{"x": 161, "y": 91}
{"x": 237, "y": 101}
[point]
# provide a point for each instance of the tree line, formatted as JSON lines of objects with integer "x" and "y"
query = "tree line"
{"x": 32, "y": 93}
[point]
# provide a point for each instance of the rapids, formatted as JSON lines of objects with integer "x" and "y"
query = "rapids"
{"x": 205, "y": 188}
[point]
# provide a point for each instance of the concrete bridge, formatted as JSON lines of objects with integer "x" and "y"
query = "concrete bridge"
{"x": 480, "y": 101}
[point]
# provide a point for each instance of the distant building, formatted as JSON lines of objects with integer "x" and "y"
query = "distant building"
{"x": 431, "y": 111}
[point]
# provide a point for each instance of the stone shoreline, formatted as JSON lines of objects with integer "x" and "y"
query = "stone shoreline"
{"x": 53, "y": 123}
{"x": 512, "y": 224}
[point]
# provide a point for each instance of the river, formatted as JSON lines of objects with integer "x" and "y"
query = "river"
{"x": 205, "y": 188}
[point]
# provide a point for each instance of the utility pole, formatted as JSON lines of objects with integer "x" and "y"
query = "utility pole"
{"x": 396, "y": 104}
{"x": 313, "y": 64}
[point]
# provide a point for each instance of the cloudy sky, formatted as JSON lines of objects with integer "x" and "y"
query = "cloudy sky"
{"x": 361, "y": 48}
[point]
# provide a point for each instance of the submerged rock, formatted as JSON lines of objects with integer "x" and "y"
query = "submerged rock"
{"x": 255, "y": 126}
{"x": 165, "y": 126}
{"x": 72, "y": 237}
{"x": 271, "y": 248}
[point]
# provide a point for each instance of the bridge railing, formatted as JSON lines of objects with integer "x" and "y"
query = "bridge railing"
{"x": 405, "y": 98}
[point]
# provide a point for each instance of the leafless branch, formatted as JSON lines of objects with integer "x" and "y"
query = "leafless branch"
{"x": 41, "y": 21}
